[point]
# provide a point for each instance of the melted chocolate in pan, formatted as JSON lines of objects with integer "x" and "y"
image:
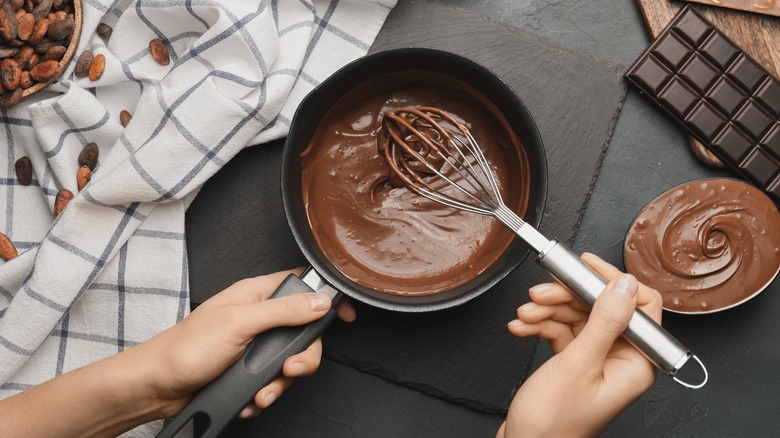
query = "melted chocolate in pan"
{"x": 388, "y": 238}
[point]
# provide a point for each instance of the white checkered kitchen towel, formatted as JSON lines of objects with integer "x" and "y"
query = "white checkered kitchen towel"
{"x": 111, "y": 271}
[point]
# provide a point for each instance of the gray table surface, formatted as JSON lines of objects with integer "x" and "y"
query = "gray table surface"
{"x": 648, "y": 154}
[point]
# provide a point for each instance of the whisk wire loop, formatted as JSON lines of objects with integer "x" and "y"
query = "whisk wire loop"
{"x": 416, "y": 144}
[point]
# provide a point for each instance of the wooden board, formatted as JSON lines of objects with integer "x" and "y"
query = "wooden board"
{"x": 758, "y": 35}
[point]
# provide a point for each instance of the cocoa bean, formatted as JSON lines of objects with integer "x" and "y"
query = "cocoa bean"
{"x": 15, "y": 43}
{"x": 25, "y": 25}
{"x": 54, "y": 54}
{"x": 97, "y": 67}
{"x": 19, "y": 13}
{"x": 23, "y": 167}
{"x": 83, "y": 63}
{"x": 39, "y": 31}
{"x": 34, "y": 60}
{"x": 42, "y": 9}
{"x": 26, "y": 81}
{"x": 7, "y": 248}
{"x": 15, "y": 4}
{"x": 61, "y": 200}
{"x": 159, "y": 51}
{"x": 60, "y": 4}
{"x": 60, "y": 15}
{"x": 60, "y": 29}
{"x": 7, "y": 52}
{"x": 125, "y": 117}
{"x": 83, "y": 176}
{"x": 10, "y": 74}
{"x": 8, "y": 23}
{"x": 9, "y": 100}
{"x": 105, "y": 30}
{"x": 23, "y": 57}
{"x": 44, "y": 71}
{"x": 89, "y": 156}
{"x": 43, "y": 46}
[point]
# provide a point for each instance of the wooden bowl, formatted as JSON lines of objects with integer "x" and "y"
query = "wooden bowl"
{"x": 70, "y": 51}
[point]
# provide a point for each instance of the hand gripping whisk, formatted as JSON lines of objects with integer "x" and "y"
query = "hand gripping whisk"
{"x": 424, "y": 144}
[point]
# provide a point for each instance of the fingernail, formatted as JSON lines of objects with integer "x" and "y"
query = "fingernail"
{"x": 246, "y": 412}
{"x": 296, "y": 369}
{"x": 320, "y": 302}
{"x": 540, "y": 288}
{"x": 626, "y": 284}
{"x": 269, "y": 399}
{"x": 528, "y": 307}
{"x": 515, "y": 324}
{"x": 593, "y": 256}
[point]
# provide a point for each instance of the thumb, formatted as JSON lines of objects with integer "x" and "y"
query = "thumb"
{"x": 607, "y": 321}
{"x": 290, "y": 310}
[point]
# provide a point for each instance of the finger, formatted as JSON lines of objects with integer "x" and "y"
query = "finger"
{"x": 249, "y": 411}
{"x": 290, "y": 310}
{"x": 550, "y": 294}
{"x": 608, "y": 320}
{"x": 254, "y": 289}
{"x": 559, "y": 335}
{"x": 266, "y": 396}
{"x": 532, "y": 313}
{"x": 304, "y": 363}
{"x": 603, "y": 268}
{"x": 648, "y": 299}
{"x": 346, "y": 311}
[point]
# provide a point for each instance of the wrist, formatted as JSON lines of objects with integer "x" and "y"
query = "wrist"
{"x": 122, "y": 383}
{"x": 137, "y": 370}
{"x": 105, "y": 398}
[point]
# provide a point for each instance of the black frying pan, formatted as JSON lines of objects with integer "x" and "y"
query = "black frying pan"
{"x": 219, "y": 402}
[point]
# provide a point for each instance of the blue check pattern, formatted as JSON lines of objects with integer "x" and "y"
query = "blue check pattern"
{"x": 111, "y": 270}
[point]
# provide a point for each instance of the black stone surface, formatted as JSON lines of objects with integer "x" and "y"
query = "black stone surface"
{"x": 464, "y": 354}
{"x": 648, "y": 154}
{"x": 350, "y": 403}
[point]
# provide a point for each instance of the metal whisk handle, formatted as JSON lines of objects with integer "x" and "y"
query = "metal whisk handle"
{"x": 666, "y": 352}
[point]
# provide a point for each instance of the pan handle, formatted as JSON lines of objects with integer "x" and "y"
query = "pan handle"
{"x": 219, "y": 402}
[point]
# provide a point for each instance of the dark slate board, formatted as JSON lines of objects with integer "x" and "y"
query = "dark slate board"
{"x": 236, "y": 226}
{"x": 323, "y": 406}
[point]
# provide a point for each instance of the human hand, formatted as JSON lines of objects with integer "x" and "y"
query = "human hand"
{"x": 195, "y": 351}
{"x": 595, "y": 374}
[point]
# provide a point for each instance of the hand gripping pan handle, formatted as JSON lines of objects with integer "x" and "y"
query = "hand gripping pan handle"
{"x": 220, "y": 401}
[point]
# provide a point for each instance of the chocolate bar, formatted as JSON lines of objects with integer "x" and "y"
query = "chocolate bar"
{"x": 728, "y": 101}
{"x": 768, "y": 7}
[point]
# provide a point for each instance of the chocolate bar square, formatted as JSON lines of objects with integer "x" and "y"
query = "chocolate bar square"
{"x": 722, "y": 96}
{"x": 733, "y": 144}
{"x": 699, "y": 73}
{"x": 746, "y": 73}
{"x": 769, "y": 95}
{"x": 726, "y": 96}
{"x": 771, "y": 141}
{"x": 719, "y": 51}
{"x": 672, "y": 51}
